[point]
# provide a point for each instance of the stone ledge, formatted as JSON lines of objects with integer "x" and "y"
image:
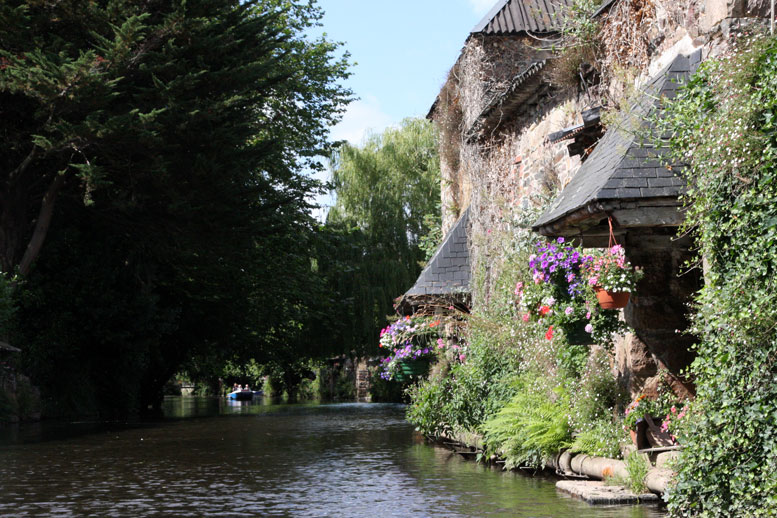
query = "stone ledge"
{"x": 598, "y": 493}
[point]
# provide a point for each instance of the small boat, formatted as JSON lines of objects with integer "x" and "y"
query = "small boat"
{"x": 241, "y": 395}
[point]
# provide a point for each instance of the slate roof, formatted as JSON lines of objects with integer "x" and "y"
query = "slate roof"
{"x": 624, "y": 165}
{"x": 522, "y": 87}
{"x": 512, "y": 16}
{"x": 448, "y": 271}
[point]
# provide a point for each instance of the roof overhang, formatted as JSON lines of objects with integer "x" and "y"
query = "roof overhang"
{"x": 589, "y": 223}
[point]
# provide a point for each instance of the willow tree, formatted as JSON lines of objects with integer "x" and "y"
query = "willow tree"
{"x": 383, "y": 188}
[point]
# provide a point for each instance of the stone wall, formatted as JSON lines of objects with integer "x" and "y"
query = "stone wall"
{"x": 362, "y": 381}
{"x": 484, "y": 70}
{"x": 659, "y": 345}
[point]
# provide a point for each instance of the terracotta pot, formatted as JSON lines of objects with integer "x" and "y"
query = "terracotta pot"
{"x": 612, "y": 299}
{"x": 633, "y": 434}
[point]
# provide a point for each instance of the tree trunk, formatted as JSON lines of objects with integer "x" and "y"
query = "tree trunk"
{"x": 41, "y": 225}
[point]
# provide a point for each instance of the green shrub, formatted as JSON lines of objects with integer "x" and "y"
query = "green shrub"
{"x": 7, "y": 307}
{"x": 637, "y": 467}
{"x": 601, "y": 438}
{"x": 427, "y": 410}
{"x": 383, "y": 390}
{"x": 596, "y": 394}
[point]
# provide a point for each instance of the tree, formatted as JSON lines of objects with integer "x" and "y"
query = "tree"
{"x": 162, "y": 97}
{"x": 370, "y": 250}
{"x": 173, "y": 136}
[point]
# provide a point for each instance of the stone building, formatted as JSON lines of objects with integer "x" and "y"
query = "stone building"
{"x": 521, "y": 117}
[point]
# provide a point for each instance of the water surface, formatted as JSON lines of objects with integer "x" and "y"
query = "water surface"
{"x": 212, "y": 458}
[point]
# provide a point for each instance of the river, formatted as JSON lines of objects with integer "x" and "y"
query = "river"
{"x": 212, "y": 458}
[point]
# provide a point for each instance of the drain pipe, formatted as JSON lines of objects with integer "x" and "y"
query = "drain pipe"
{"x": 599, "y": 468}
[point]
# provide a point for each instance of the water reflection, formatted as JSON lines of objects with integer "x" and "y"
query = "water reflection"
{"x": 212, "y": 458}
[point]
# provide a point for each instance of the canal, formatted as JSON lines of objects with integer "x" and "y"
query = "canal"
{"x": 212, "y": 458}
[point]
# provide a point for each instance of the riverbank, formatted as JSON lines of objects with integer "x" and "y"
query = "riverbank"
{"x": 611, "y": 474}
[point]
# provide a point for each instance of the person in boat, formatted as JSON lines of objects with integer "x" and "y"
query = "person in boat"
{"x": 246, "y": 387}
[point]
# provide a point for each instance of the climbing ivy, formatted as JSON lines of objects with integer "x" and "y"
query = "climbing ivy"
{"x": 724, "y": 123}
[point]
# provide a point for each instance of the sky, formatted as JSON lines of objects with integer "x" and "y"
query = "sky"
{"x": 403, "y": 50}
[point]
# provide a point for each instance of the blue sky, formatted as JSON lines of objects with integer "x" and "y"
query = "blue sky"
{"x": 403, "y": 50}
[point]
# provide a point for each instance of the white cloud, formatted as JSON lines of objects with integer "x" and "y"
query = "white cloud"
{"x": 361, "y": 117}
{"x": 481, "y": 7}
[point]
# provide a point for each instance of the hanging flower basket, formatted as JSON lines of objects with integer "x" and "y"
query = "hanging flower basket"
{"x": 612, "y": 277}
{"x": 412, "y": 368}
{"x": 612, "y": 299}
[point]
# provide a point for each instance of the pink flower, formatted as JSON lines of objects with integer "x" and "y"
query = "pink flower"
{"x": 592, "y": 281}
{"x": 519, "y": 288}
{"x": 525, "y": 317}
{"x": 569, "y": 310}
{"x": 589, "y": 328}
{"x": 462, "y": 357}
{"x": 440, "y": 343}
{"x": 588, "y": 315}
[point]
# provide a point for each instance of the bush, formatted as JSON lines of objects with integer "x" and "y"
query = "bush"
{"x": 427, "y": 410}
{"x": 724, "y": 120}
{"x": 601, "y": 437}
{"x": 637, "y": 467}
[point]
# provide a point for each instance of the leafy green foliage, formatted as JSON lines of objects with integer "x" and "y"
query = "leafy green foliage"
{"x": 723, "y": 121}
{"x": 428, "y": 405}
{"x": 601, "y": 438}
{"x": 432, "y": 240}
{"x": 527, "y": 394}
{"x": 637, "y": 466}
{"x": 532, "y": 426}
{"x": 7, "y": 306}
{"x": 369, "y": 250}
{"x": 174, "y": 137}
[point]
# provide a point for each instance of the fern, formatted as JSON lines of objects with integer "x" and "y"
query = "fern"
{"x": 532, "y": 426}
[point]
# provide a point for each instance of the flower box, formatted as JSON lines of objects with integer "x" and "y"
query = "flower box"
{"x": 412, "y": 368}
